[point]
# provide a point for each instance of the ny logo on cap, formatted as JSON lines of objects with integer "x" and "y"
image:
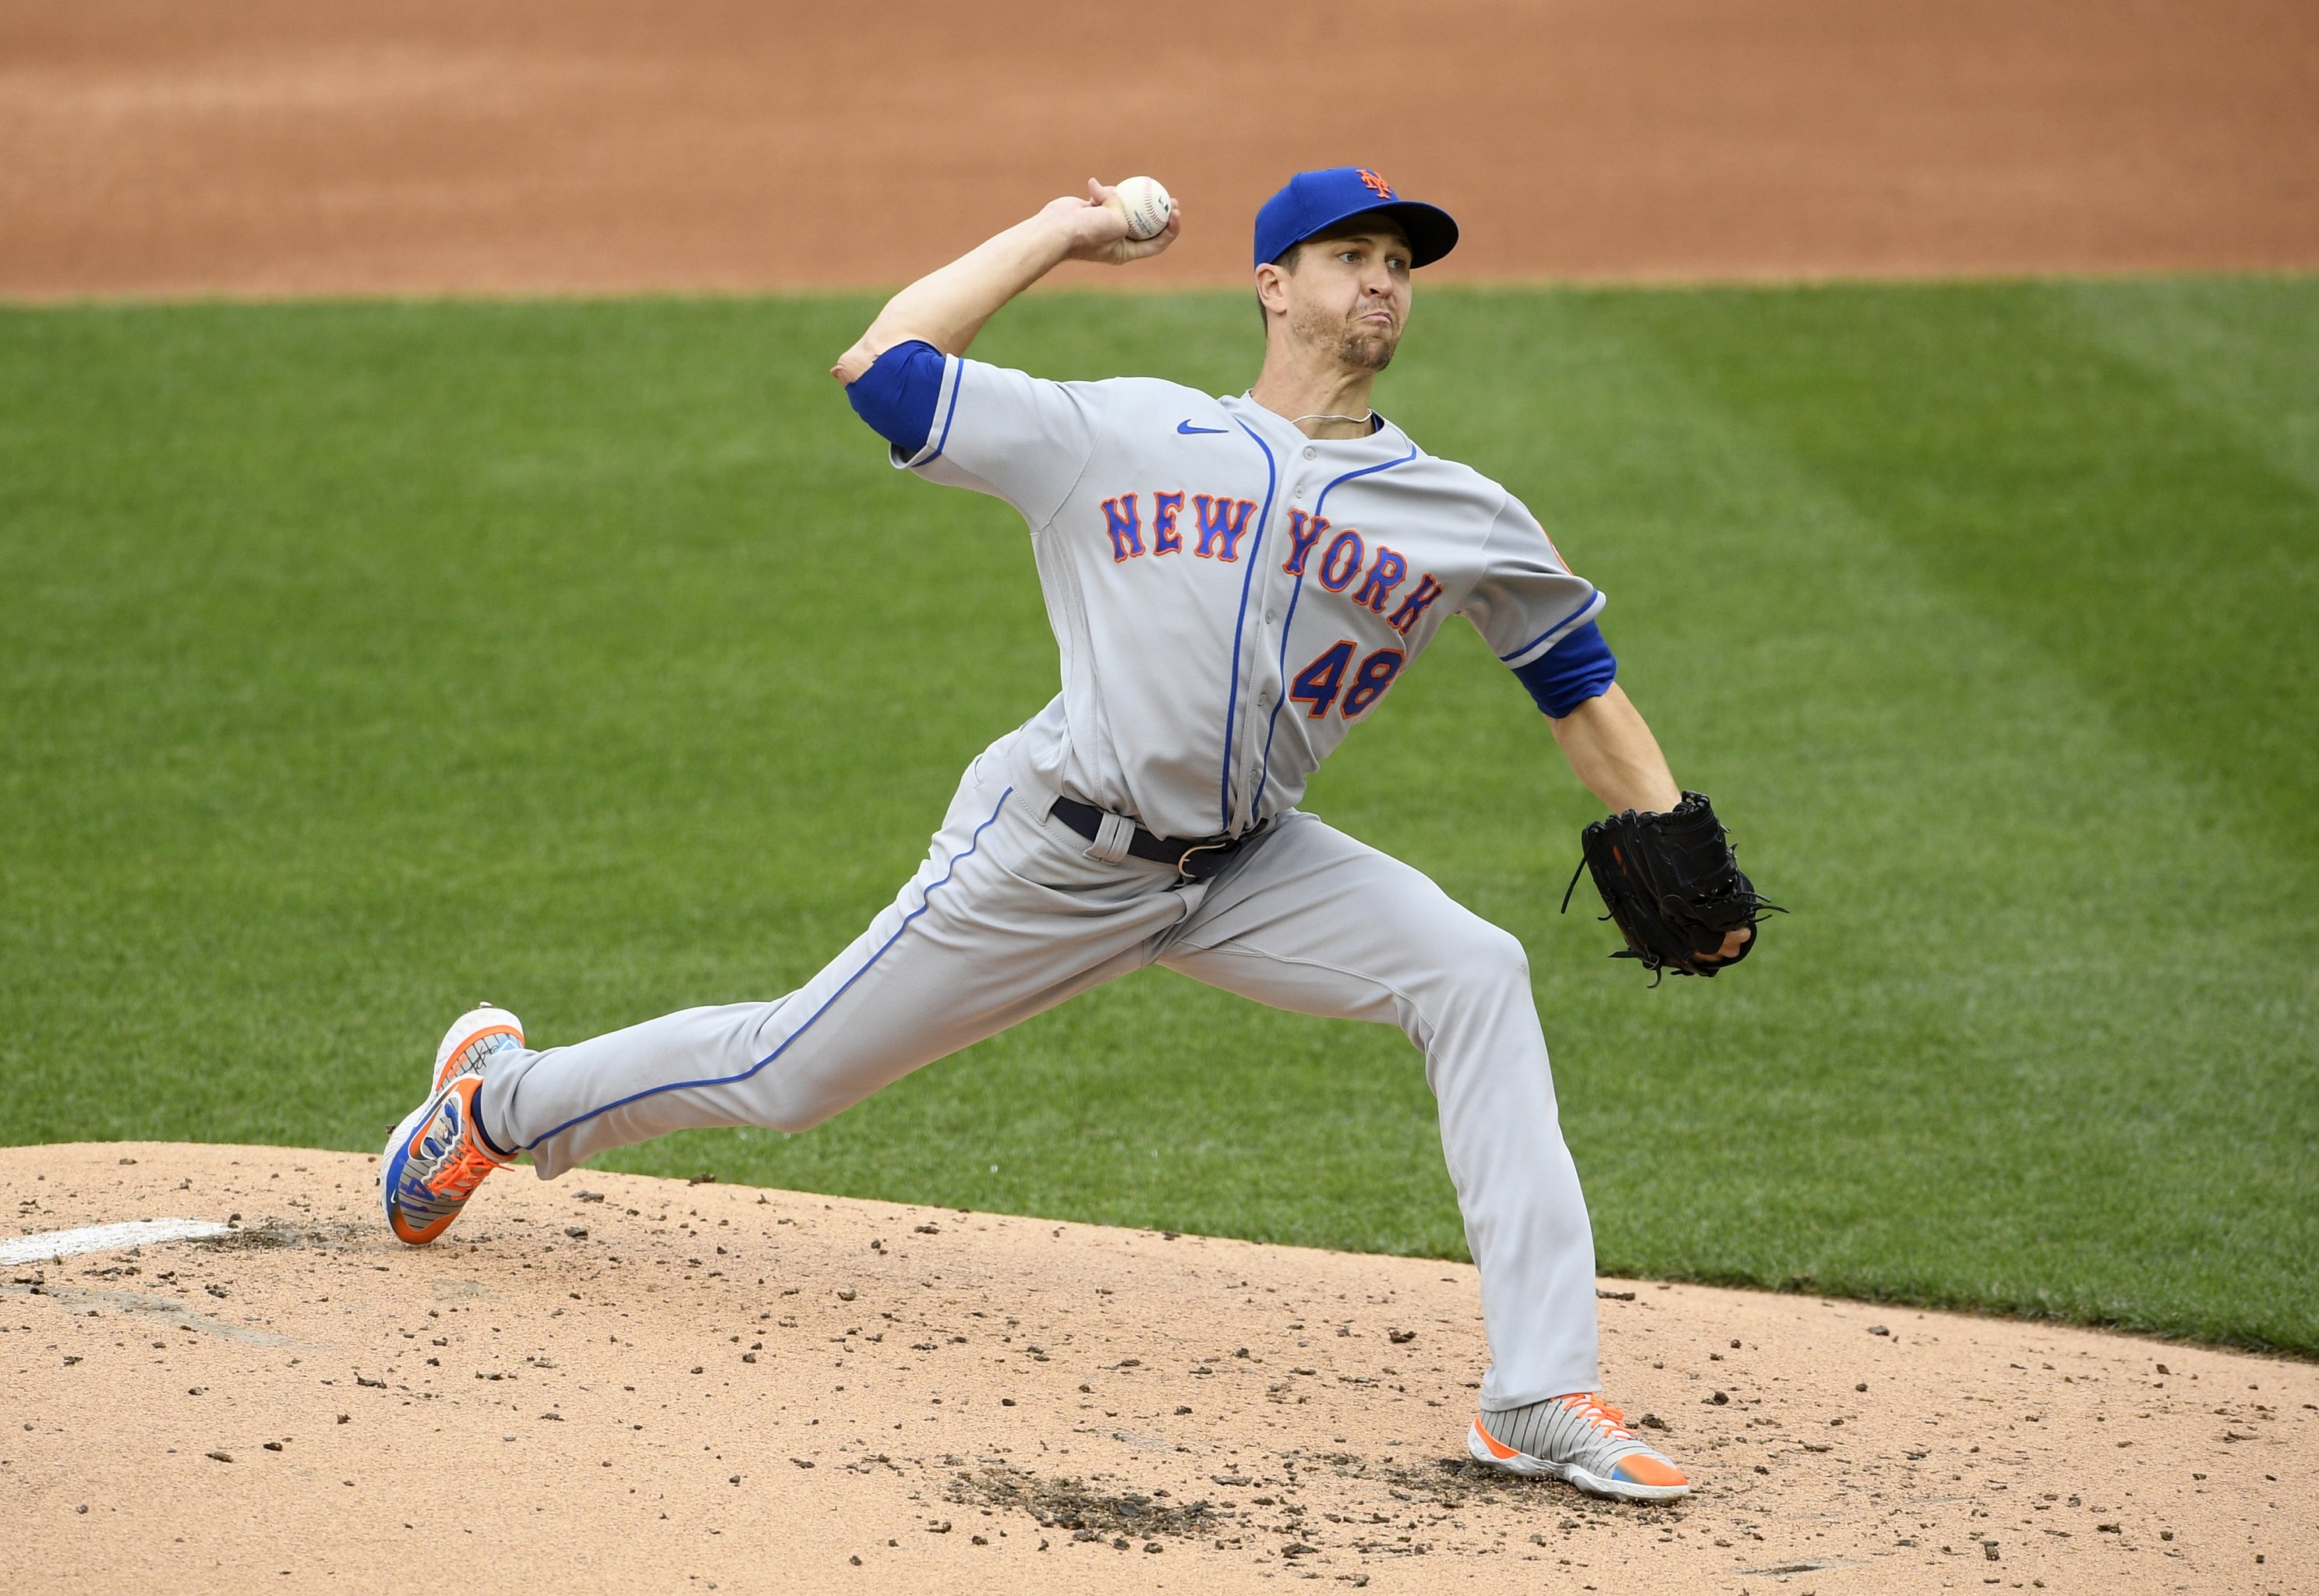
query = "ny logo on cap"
{"x": 1384, "y": 189}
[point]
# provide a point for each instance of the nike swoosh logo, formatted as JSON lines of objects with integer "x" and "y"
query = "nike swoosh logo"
{"x": 1187, "y": 427}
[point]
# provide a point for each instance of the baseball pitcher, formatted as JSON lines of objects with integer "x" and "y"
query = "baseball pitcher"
{"x": 1234, "y": 584}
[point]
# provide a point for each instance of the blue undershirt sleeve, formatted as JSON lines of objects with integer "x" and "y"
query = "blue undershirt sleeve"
{"x": 1578, "y": 668}
{"x": 897, "y": 394}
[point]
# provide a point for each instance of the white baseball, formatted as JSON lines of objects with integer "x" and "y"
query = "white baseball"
{"x": 1146, "y": 204}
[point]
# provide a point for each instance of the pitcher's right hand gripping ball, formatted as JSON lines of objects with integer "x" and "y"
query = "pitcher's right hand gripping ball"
{"x": 1673, "y": 886}
{"x": 1146, "y": 204}
{"x": 1112, "y": 226}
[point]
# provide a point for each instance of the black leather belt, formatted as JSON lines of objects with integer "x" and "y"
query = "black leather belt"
{"x": 1195, "y": 860}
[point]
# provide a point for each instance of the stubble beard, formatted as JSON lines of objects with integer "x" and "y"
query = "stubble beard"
{"x": 1367, "y": 351}
{"x": 1358, "y": 348}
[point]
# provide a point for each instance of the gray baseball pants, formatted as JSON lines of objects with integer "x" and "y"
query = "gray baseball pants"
{"x": 1009, "y": 915}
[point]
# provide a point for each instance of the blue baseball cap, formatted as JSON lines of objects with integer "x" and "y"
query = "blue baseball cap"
{"x": 1313, "y": 201}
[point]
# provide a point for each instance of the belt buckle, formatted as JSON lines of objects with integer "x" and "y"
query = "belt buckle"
{"x": 1183, "y": 864}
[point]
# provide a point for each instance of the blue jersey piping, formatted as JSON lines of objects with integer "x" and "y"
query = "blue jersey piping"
{"x": 1592, "y": 593}
{"x": 958, "y": 363}
{"x": 1231, "y": 699}
{"x": 726, "y": 1080}
{"x": 1264, "y": 776}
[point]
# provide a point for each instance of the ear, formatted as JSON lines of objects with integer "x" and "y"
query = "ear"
{"x": 1272, "y": 289}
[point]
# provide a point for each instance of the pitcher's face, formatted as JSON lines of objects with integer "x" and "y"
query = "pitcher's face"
{"x": 1348, "y": 292}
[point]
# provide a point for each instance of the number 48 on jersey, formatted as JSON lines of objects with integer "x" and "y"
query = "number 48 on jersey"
{"x": 1319, "y": 683}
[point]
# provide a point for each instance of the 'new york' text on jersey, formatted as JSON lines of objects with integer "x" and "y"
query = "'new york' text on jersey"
{"x": 1230, "y": 595}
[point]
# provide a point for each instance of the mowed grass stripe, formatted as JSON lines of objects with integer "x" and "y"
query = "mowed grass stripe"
{"x": 363, "y": 660}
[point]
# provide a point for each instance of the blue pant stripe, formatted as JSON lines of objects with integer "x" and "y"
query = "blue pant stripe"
{"x": 949, "y": 871}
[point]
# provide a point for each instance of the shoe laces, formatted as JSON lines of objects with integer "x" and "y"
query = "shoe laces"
{"x": 459, "y": 1164}
{"x": 464, "y": 1176}
{"x": 1590, "y": 1406}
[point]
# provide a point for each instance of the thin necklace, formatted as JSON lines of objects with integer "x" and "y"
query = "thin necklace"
{"x": 1365, "y": 418}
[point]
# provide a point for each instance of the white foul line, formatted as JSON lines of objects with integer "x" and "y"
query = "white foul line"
{"x": 134, "y": 1233}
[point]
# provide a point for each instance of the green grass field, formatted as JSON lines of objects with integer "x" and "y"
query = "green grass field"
{"x": 359, "y": 660}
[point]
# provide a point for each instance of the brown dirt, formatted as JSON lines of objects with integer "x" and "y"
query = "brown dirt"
{"x": 325, "y": 145}
{"x": 719, "y": 1387}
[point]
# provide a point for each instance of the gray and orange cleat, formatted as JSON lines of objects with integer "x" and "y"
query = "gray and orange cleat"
{"x": 472, "y": 1040}
{"x": 1578, "y": 1439}
{"x": 437, "y": 1156}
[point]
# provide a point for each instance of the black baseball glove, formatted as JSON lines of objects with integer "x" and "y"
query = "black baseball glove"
{"x": 1673, "y": 886}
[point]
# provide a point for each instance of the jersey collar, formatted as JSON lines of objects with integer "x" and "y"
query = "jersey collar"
{"x": 1386, "y": 441}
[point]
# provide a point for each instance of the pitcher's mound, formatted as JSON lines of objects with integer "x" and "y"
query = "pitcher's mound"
{"x": 619, "y": 1383}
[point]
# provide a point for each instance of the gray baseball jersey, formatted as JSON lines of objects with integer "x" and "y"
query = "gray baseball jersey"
{"x": 1229, "y": 595}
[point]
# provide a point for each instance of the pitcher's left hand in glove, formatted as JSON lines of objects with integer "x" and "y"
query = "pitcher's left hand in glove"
{"x": 1673, "y": 886}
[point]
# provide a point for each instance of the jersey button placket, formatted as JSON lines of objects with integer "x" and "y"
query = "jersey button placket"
{"x": 1259, "y": 668}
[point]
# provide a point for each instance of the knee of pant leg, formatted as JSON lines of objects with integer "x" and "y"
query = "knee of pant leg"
{"x": 780, "y": 1106}
{"x": 790, "y": 1117}
{"x": 1478, "y": 967}
{"x": 1489, "y": 958}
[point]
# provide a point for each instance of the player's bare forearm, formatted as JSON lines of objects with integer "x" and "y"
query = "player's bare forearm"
{"x": 1610, "y": 749}
{"x": 947, "y": 307}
